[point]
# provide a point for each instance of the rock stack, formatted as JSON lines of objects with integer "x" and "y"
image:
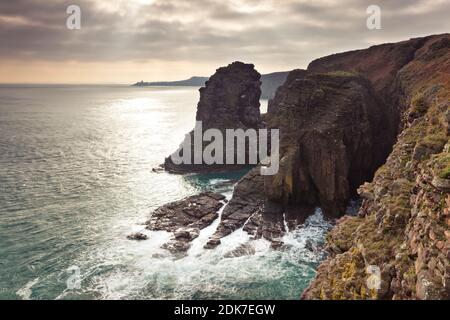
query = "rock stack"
{"x": 229, "y": 100}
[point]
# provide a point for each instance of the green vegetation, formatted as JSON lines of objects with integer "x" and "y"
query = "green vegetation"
{"x": 418, "y": 104}
{"x": 445, "y": 174}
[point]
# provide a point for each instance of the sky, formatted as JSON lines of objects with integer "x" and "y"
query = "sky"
{"x": 124, "y": 41}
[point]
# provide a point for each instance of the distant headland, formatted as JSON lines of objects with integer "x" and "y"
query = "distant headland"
{"x": 269, "y": 83}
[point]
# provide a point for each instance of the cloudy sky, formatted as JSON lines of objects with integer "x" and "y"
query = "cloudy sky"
{"x": 123, "y": 41}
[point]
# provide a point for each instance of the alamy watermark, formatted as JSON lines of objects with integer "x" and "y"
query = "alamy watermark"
{"x": 74, "y": 280}
{"x": 373, "y": 281}
{"x": 73, "y": 21}
{"x": 373, "y": 22}
{"x": 240, "y": 147}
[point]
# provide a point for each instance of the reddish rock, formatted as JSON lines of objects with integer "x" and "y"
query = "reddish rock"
{"x": 415, "y": 88}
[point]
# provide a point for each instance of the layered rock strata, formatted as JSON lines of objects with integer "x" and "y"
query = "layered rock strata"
{"x": 399, "y": 245}
{"x": 186, "y": 218}
{"x": 229, "y": 100}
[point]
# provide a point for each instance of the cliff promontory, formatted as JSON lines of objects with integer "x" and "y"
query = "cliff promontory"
{"x": 398, "y": 247}
{"x": 370, "y": 124}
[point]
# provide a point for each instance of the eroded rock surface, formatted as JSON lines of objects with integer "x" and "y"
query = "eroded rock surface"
{"x": 403, "y": 225}
{"x": 139, "y": 236}
{"x": 330, "y": 139}
{"x": 248, "y": 198}
{"x": 229, "y": 100}
{"x": 185, "y": 218}
{"x": 249, "y": 209}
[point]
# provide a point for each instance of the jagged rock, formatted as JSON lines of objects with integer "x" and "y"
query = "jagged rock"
{"x": 212, "y": 243}
{"x": 441, "y": 184}
{"x": 177, "y": 247}
{"x": 330, "y": 141}
{"x": 137, "y": 236}
{"x": 248, "y": 198}
{"x": 292, "y": 77}
{"x": 186, "y": 234}
{"x": 181, "y": 241}
{"x": 276, "y": 244}
{"x": 402, "y": 229}
{"x": 245, "y": 249}
{"x": 197, "y": 211}
{"x": 229, "y": 100}
{"x": 185, "y": 218}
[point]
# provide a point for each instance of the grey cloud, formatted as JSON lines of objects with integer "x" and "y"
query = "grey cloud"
{"x": 290, "y": 34}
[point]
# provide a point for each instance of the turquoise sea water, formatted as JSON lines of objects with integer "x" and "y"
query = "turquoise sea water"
{"x": 76, "y": 179}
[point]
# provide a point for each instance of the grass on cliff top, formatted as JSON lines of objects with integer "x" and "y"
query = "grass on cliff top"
{"x": 445, "y": 174}
{"x": 418, "y": 103}
{"x": 444, "y": 167}
{"x": 441, "y": 165}
{"x": 435, "y": 140}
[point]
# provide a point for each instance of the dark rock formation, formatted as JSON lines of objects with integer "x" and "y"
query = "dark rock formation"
{"x": 250, "y": 209}
{"x": 248, "y": 199}
{"x": 271, "y": 82}
{"x": 403, "y": 224}
{"x": 245, "y": 249}
{"x": 195, "y": 212}
{"x": 185, "y": 218}
{"x": 339, "y": 121}
{"x": 137, "y": 236}
{"x": 230, "y": 100}
{"x": 294, "y": 75}
{"x": 330, "y": 139}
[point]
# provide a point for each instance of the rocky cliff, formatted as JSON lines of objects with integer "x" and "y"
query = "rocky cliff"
{"x": 271, "y": 82}
{"x": 330, "y": 139}
{"x": 401, "y": 238}
{"x": 373, "y": 123}
{"x": 229, "y": 100}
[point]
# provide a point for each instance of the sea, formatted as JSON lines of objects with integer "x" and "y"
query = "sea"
{"x": 76, "y": 178}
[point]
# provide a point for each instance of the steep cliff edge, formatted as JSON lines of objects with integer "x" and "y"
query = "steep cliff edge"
{"x": 401, "y": 236}
{"x": 330, "y": 139}
{"x": 380, "y": 115}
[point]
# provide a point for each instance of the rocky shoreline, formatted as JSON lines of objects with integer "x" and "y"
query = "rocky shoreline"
{"x": 185, "y": 219}
{"x": 371, "y": 123}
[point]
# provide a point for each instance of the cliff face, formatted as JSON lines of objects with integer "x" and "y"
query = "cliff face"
{"x": 380, "y": 115}
{"x": 403, "y": 227}
{"x": 271, "y": 82}
{"x": 229, "y": 100}
{"x": 330, "y": 139}
{"x": 338, "y": 120}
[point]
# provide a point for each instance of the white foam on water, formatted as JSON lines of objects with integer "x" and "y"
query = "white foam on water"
{"x": 142, "y": 270}
{"x": 198, "y": 243}
{"x": 286, "y": 226}
{"x": 217, "y": 181}
{"x": 315, "y": 227}
{"x": 26, "y": 291}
